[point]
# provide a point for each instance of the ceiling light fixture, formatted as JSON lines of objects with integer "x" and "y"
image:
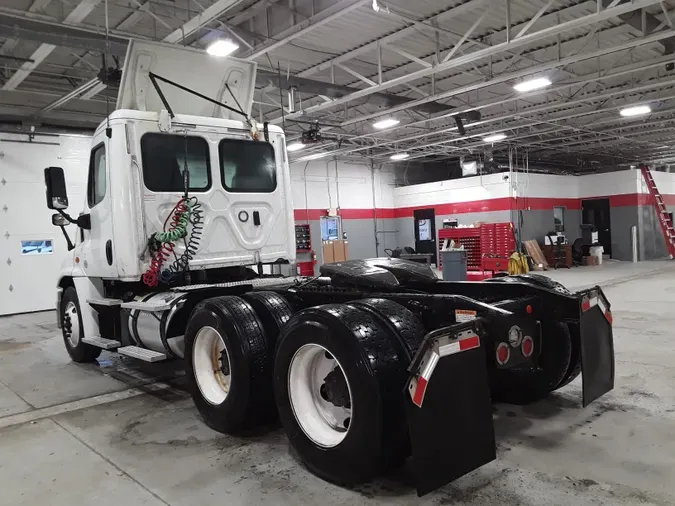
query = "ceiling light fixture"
{"x": 386, "y": 123}
{"x": 400, "y": 156}
{"x": 494, "y": 138}
{"x": 532, "y": 84}
{"x": 314, "y": 156}
{"x": 376, "y": 7}
{"x": 295, "y": 146}
{"x": 637, "y": 110}
{"x": 222, "y": 47}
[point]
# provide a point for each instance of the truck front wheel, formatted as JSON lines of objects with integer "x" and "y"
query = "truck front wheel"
{"x": 228, "y": 365}
{"x": 72, "y": 329}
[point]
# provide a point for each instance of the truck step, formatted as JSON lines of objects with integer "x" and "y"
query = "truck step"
{"x": 142, "y": 354}
{"x": 104, "y": 302}
{"x": 146, "y": 306}
{"x": 102, "y": 342}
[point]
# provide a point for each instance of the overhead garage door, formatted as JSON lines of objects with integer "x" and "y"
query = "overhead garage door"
{"x": 32, "y": 251}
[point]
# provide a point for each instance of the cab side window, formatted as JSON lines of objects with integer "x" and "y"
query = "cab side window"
{"x": 96, "y": 185}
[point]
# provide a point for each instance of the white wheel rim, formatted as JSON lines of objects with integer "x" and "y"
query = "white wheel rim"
{"x": 322, "y": 421}
{"x": 207, "y": 362}
{"x": 70, "y": 316}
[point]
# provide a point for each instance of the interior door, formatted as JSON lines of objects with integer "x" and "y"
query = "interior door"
{"x": 596, "y": 212}
{"x": 425, "y": 233}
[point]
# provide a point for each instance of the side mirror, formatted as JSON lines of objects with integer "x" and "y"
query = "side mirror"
{"x": 55, "y": 181}
{"x": 59, "y": 220}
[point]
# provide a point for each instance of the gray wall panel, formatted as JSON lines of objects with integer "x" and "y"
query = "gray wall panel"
{"x": 405, "y": 232}
{"x": 622, "y": 219}
{"x": 536, "y": 224}
{"x": 361, "y": 237}
{"x": 652, "y": 244}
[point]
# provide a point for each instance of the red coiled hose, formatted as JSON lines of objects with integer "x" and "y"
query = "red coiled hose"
{"x": 177, "y": 227}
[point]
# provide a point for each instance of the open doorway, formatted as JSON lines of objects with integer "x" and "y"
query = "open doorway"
{"x": 596, "y": 212}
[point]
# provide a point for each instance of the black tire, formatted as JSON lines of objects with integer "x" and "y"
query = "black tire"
{"x": 249, "y": 401}
{"x": 574, "y": 369}
{"x": 376, "y": 439}
{"x": 79, "y": 351}
{"x": 531, "y": 384}
{"x": 407, "y": 329}
{"x": 274, "y": 312}
{"x": 544, "y": 281}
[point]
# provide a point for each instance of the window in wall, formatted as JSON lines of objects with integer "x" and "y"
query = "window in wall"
{"x": 164, "y": 158}
{"x": 559, "y": 219}
{"x": 96, "y": 183}
{"x": 247, "y": 166}
{"x": 330, "y": 228}
{"x": 424, "y": 230}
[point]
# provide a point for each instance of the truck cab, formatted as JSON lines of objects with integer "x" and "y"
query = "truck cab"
{"x": 184, "y": 188}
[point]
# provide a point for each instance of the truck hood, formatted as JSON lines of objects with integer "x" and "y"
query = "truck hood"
{"x": 191, "y": 68}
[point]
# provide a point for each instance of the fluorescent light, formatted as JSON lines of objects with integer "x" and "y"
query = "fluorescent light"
{"x": 222, "y": 47}
{"x": 532, "y": 84}
{"x": 494, "y": 138}
{"x": 386, "y": 123}
{"x": 637, "y": 110}
{"x": 314, "y": 156}
{"x": 400, "y": 156}
{"x": 295, "y": 146}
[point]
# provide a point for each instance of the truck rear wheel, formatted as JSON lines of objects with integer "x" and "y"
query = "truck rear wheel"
{"x": 73, "y": 330}
{"x": 406, "y": 328}
{"x": 524, "y": 385}
{"x": 574, "y": 368}
{"x": 338, "y": 382}
{"x": 228, "y": 364}
{"x": 274, "y": 312}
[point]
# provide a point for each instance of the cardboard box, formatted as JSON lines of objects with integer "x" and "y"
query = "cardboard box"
{"x": 328, "y": 251}
{"x": 335, "y": 251}
{"x": 591, "y": 260}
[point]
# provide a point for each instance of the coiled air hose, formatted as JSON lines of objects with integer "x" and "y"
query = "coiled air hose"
{"x": 187, "y": 212}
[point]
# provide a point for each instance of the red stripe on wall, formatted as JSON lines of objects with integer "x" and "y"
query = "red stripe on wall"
{"x": 485, "y": 206}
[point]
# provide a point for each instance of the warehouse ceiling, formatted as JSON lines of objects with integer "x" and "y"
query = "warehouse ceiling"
{"x": 445, "y": 70}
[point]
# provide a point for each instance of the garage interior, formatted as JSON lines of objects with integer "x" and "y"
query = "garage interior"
{"x": 405, "y": 124}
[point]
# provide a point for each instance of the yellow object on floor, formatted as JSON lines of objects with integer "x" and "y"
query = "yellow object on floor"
{"x": 518, "y": 264}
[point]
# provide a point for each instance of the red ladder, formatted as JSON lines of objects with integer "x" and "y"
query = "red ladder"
{"x": 661, "y": 211}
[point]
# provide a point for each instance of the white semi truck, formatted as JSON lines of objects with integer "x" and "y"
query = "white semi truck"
{"x": 189, "y": 205}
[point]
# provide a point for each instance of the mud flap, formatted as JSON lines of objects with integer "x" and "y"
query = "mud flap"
{"x": 448, "y": 408}
{"x": 597, "y": 345}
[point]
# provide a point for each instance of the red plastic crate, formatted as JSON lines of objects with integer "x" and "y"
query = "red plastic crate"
{"x": 486, "y": 240}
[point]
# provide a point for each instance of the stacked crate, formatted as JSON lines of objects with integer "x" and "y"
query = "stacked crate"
{"x": 505, "y": 243}
{"x": 470, "y": 238}
{"x": 485, "y": 240}
{"x": 303, "y": 245}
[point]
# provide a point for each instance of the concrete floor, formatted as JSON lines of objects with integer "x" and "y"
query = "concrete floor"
{"x": 111, "y": 433}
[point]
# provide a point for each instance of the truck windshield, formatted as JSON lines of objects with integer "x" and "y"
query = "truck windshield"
{"x": 164, "y": 157}
{"x": 247, "y": 166}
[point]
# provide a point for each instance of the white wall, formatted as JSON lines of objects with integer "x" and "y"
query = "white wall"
{"x": 467, "y": 189}
{"x": 665, "y": 182}
{"x": 493, "y": 186}
{"x": 33, "y": 277}
{"x": 315, "y": 185}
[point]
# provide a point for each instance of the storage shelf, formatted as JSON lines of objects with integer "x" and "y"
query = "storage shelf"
{"x": 488, "y": 239}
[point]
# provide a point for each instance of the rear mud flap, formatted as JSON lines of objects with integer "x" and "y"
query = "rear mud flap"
{"x": 597, "y": 346}
{"x": 450, "y": 419}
